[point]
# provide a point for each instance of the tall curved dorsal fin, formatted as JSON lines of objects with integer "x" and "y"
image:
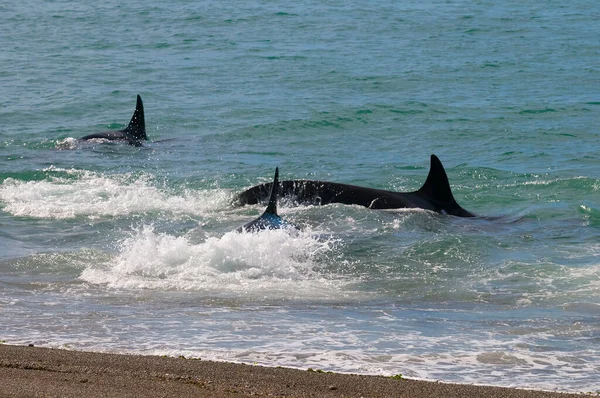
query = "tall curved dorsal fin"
{"x": 437, "y": 186}
{"x": 272, "y": 206}
{"x": 437, "y": 190}
{"x": 136, "y": 129}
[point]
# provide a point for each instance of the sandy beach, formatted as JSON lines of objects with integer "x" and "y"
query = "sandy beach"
{"x": 36, "y": 372}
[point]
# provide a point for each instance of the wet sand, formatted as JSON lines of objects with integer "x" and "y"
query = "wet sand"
{"x": 37, "y": 372}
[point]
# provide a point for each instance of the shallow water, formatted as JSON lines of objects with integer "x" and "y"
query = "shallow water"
{"x": 108, "y": 247}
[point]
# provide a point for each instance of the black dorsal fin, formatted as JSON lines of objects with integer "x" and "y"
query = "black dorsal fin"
{"x": 437, "y": 186}
{"x": 272, "y": 207}
{"x": 137, "y": 125}
{"x": 437, "y": 190}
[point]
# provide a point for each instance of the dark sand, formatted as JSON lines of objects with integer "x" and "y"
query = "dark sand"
{"x": 37, "y": 372}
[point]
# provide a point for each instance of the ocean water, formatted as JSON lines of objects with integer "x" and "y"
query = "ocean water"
{"x": 113, "y": 248}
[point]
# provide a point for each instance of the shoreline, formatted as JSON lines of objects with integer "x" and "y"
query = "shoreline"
{"x": 35, "y": 371}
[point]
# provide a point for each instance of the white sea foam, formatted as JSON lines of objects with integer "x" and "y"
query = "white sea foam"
{"x": 92, "y": 195}
{"x": 67, "y": 143}
{"x": 266, "y": 264}
{"x": 274, "y": 337}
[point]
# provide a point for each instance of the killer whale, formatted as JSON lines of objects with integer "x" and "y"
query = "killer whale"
{"x": 435, "y": 194}
{"x": 269, "y": 219}
{"x": 133, "y": 134}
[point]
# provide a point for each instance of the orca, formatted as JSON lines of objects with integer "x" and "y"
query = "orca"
{"x": 269, "y": 219}
{"x": 434, "y": 195}
{"x": 133, "y": 134}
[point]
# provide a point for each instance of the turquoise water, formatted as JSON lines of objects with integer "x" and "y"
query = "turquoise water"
{"x": 112, "y": 248}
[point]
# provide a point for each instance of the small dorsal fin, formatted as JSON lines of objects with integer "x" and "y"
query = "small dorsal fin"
{"x": 272, "y": 207}
{"x": 137, "y": 125}
{"x": 269, "y": 219}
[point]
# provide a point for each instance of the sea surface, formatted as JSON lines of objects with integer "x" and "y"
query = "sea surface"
{"x": 115, "y": 248}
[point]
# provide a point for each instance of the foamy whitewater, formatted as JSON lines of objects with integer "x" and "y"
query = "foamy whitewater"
{"x": 132, "y": 249}
{"x": 310, "y": 299}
